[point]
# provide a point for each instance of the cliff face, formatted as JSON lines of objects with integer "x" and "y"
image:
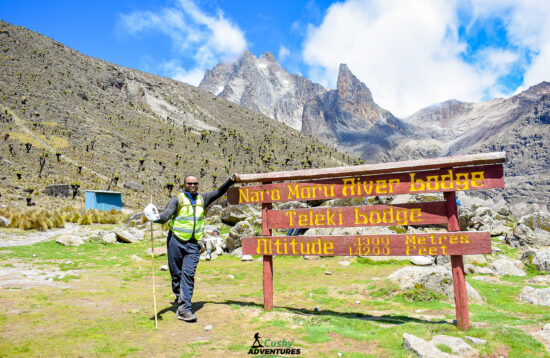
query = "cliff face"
{"x": 263, "y": 86}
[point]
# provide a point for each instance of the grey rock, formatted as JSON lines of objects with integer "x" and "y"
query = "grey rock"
{"x": 69, "y": 240}
{"x": 133, "y": 186}
{"x": 422, "y": 260}
{"x": 137, "y": 233}
{"x": 504, "y": 266}
{"x": 442, "y": 260}
{"x": 421, "y": 348}
{"x": 109, "y": 238}
{"x": 472, "y": 269}
{"x": 532, "y": 231}
{"x": 158, "y": 252}
{"x": 539, "y": 258}
{"x": 457, "y": 345}
{"x": 125, "y": 236}
{"x": 208, "y": 328}
{"x": 434, "y": 278}
{"x": 544, "y": 333}
{"x": 234, "y": 214}
{"x": 214, "y": 211}
{"x": 475, "y": 341}
{"x": 465, "y": 215}
{"x": 247, "y": 258}
{"x": 536, "y": 296}
{"x": 164, "y": 268}
{"x": 242, "y": 229}
{"x": 4, "y": 222}
{"x": 237, "y": 252}
{"x": 475, "y": 259}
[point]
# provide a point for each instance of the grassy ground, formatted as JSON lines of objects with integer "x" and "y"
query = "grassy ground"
{"x": 108, "y": 310}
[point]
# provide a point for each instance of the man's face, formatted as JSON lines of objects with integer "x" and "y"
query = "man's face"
{"x": 192, "y": 185}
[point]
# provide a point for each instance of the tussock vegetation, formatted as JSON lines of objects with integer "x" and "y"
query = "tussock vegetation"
{"x": 41, "y": 219}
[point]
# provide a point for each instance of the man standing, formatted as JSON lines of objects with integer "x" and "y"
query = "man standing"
{"x": 186, "y": 212}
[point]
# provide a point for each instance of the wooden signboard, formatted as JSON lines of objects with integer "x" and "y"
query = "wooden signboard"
{"x": 350, "y": 216}
{"x": 447, "y": 175}
{"x": 432, "y": 243}
{"x": 431, "y": 181}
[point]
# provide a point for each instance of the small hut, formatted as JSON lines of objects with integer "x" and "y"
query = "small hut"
{"x": 103, "y": 200}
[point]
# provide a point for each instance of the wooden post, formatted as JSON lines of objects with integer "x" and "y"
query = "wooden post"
{"x": 459, "y": 282}
{"x": 268, "y": 263}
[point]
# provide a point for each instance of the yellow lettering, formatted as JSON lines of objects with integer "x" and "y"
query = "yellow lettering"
{"x": 447, "y": 179}
{"x": 416, "y": 185}
{"x": 306, "y": 192}
{"x": 422, "y": 250}
{"x": 293, "y": 192}
{"x": 319, "y": 219}
{"x": 462, "y": 181}
{"x": 266, "y": 247}
{"x": 302, "y": 219}
{"x": 243, "y": 195}
{"x": 433, "y": 250}
{"x": 465, "y": 239}
{"x": 478, "y": 177}
{"x": 349, "y": 183}
{"x": 314, "y": 250}
{"x": 401, "y": 216}
{"x": 378, "y": 219}
{"x": 421, "y": 240}
{"x": 367, "y": 186}
{"x": 290, "y": 215}
{"x": 381, "y": 187}
{"x": 275, "y": 194}
{"x": 453, "y": 239}
{"x": 392, "y": 182}
{"x": 432, "y": 183}
{"x": 410, "y": 239}
{"x": 416, "y": 215}
{"x": 330, "y": 217}
{"x": 328, "y": 248}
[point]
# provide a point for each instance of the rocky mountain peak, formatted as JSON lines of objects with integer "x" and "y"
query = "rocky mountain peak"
{"x": 349, "y": 86}
{"x": 268, "y": 57}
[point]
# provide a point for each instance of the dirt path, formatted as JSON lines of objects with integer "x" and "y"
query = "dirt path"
{"x": 8, "y": 240}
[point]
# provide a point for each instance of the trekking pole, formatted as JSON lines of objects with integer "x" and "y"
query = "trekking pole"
{"x": 153, "y": 269}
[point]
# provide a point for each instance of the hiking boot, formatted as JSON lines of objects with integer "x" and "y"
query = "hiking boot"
{"x": 208, "y": 256}
{"x": 186, "y": 316}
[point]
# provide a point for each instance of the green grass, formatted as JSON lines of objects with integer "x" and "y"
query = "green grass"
{"x": 110, "y": 296}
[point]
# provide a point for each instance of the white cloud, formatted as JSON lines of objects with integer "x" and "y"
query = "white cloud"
{"x": 410, "y": 55}
{"x": 283, "y": 53}
{"x": 205, "y": 39}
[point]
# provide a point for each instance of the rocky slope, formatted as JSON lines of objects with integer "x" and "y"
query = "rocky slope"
{"x": 349, "y": 118}
{"x": 103, "y": 125}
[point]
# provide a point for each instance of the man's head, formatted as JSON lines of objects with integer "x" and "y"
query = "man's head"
{"x": 191, "y": 184}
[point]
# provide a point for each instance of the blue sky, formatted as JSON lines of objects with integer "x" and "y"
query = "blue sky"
{"x": 411, "y": 54}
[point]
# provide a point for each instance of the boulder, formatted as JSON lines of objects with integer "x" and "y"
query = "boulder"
{"x": 247, "y": 258}
{"x": 214, "y": 210}
{"x": 506, "y": 266}
{"x": 134, "y": 186}
{"x": 474, "y": 340}
{"x": 457, "y": 345}
{"x": 237, "y": 252}
{"x": 125, "y": 236}
{"x": 4, "y": 222}
{"x": 242, "y": 229}
{"x": 69, "y": 240}
{"x": 422, "y": 260}
{"x": 236, "y": 213}
{"x": 422, "y": 348}
{"x": 434, "y": 278}
{"x": 442, "y": 260}
{"x": 465, "y": 215}
{"x": 109, "y": 238}
{"x": 137, "y": 233}
{"x": 523, "y": 236}
{"x": 538, "y": 258}
{"x": 159, "y": 251}
{"x": 533, "y": 230}
{"x": 473, "y": 269}
{"x": 544, "y": 333}
{"x": 475, "y": 260}
{"x": 536, "y": 296}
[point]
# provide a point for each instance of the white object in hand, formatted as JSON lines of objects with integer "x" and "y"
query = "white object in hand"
{"x": 151, "y": 212}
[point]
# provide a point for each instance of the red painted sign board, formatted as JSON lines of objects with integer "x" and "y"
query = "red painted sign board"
{"x": 376, "y": 215}
{"x": 432, "y": 243}
{"x": 426, "y": 181}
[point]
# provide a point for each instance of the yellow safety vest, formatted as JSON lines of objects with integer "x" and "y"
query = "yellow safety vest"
{"x": 188, "y": 221}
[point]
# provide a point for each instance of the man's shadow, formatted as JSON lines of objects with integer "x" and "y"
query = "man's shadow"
{"x": 390, "y": 319}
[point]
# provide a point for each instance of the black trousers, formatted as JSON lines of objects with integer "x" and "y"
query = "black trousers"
{"x": 183, "y": 258}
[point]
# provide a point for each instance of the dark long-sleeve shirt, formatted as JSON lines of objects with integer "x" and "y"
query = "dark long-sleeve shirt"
{"x": 208, "y": 198}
